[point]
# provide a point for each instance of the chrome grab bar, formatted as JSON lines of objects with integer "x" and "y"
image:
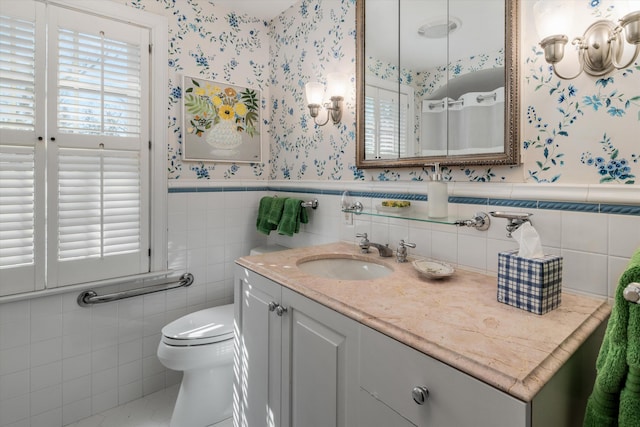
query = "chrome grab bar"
{"x": 89, "y": 297}
{"x": 632, "y": 292}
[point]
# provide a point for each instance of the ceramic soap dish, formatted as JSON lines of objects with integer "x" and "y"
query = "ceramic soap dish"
{"x": 433, "y": 269}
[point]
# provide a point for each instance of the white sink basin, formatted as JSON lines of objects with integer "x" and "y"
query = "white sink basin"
{"x": 344, "y": 268}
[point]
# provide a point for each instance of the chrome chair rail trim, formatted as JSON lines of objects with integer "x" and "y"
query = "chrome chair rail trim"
{"x": 90, "y": 297}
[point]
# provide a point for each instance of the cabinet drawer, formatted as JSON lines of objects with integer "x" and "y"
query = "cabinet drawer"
{"x": 389, "y": 370}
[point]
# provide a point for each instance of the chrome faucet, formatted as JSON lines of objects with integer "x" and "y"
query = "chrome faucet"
{"x": 365, "y": 244}
{"x": 401, "y": 252}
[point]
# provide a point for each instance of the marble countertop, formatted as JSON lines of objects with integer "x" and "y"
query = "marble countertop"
{"x": 456, "y": 320}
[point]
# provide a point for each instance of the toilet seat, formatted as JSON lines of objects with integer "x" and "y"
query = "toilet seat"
{"x": 206, "y": 326}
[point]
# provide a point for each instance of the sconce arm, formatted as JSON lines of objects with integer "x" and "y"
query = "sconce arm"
{"x": 580, "y": 42}
{"x": 334, "y": 111}
{"x": 633, "y": 59}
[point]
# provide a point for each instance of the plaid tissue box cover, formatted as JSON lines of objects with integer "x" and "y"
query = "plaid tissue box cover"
{"x": 531, "y": 284}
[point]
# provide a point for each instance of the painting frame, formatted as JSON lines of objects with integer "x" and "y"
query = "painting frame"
{"x": 221, "y": 122}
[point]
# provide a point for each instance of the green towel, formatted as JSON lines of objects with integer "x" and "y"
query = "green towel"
{"x": 264, "y": 209}
{"x": 615, "y": 399}
{"x": 292, "y": 215}
{"x": 275, "y": 213}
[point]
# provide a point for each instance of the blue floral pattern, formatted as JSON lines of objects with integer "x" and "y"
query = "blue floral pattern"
{"x": 316, "y": 37}
{"x": 613, "y": 168}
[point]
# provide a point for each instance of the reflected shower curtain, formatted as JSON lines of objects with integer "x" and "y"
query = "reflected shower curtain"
{"x": 474, "y": 123}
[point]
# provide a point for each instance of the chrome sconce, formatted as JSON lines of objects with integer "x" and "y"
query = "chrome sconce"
{"x": 336, "y": 88}
{"x": 601, "y": 46}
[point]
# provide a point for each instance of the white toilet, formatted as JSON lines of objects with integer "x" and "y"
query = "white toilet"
{"x": 201, "y": 345}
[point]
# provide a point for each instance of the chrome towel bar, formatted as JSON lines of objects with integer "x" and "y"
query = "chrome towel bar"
{"x": 313, "y": 204}
{"x": 632, "y": 292}
{"x": 91, "y": 297}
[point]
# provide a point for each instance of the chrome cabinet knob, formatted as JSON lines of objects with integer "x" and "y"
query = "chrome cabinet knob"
{"x": 273, "y": 306}
{"x": 280, "y": 310}
{"x": 420, "y": 394}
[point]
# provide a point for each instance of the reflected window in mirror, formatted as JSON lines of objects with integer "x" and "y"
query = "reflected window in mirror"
{"x": 389, "y": 116}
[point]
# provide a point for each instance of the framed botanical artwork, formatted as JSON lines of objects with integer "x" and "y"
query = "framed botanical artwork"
{"x": 221, "y": 122}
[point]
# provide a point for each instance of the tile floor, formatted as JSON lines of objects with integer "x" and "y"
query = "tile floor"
{"x": 153, "y": 410}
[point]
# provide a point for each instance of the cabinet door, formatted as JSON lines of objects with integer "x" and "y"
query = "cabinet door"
{"x": 258, "y": 351}
{"x": 319, "y": 372}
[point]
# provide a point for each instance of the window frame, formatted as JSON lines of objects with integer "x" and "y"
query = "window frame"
{"x": 157, "y": 26}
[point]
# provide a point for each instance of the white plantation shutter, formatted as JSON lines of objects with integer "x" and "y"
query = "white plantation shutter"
{"x": 74, "y": 195}
{"x": 386, "y": 123}
{"x": 17, "y": 72}
{"x": 22, "y": 175}
{"x": 100, "y": 207}
{"x": 17, "y": 218}
{"x": 98, "y": 202}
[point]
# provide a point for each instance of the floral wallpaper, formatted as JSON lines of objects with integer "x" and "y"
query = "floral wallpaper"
{"x": 213, "y": 43}
{"x": 308, "y": 41}
{"x": 572, "y": 131}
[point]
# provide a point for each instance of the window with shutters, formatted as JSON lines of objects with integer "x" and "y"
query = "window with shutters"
{"x": 388, "y": 112}
{"x": 75, "y": 164}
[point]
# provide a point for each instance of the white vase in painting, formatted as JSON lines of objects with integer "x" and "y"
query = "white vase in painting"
{"x": 224, "y": 135}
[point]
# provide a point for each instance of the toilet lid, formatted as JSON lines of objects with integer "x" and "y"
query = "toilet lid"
{"x": 201, "y": 327}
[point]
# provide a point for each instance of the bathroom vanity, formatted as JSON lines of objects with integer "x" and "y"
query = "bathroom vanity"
{"x": 403, "y": 350}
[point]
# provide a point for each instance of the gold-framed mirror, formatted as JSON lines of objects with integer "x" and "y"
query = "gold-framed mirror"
{"x": 437, "y": 81}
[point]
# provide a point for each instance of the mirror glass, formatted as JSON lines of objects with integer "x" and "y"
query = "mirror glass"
{"x": 432, "y": 85}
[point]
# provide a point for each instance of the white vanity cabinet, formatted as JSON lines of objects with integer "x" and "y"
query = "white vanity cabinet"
{"x": 297, "y": 360}
{"x": 302, "y": 364}
{"x": 393, "y": 374}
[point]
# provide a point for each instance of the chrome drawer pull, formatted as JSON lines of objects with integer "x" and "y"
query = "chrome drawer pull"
{"x": 420, "y": 394}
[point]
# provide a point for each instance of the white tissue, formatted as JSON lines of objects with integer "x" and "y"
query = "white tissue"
{"x": 529, "y": 241}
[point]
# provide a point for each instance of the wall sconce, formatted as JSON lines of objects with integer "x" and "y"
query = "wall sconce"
{"x": 599, "y": 49}
{"x": 336, "y": 88}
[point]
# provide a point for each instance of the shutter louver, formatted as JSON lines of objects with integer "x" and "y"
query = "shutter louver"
{"x": 17, "y": 74}
{"x": 17, "y": 206}
{"x": 99, "y": 203}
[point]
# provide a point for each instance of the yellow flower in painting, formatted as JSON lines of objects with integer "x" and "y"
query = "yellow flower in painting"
{"x": 226, "y": 112}
{"x": 217, "y": 101}
{"x": 199, "y": 91}
{"x": 230, "y": 92}
{"x": 210, "y": 89}
{"x": 241, "y": 109}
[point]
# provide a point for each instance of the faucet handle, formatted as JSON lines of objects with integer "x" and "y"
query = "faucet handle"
{"x": 402, "y": 244}
{"x": 401, "y": 252}
{"x": 364, "y": 243}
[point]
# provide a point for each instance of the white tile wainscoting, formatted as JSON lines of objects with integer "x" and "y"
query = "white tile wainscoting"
{"x": 60, "y": 363}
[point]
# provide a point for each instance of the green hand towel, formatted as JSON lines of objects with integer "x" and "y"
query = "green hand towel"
{"x": 264, "y": 208}
{"x": 275, "y": 213}
{"x": 615, "y": 400}
{"x": 292, "y": 215}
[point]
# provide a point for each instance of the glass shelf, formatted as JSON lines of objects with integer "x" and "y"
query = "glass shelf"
{"x": 410, "y": 215}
